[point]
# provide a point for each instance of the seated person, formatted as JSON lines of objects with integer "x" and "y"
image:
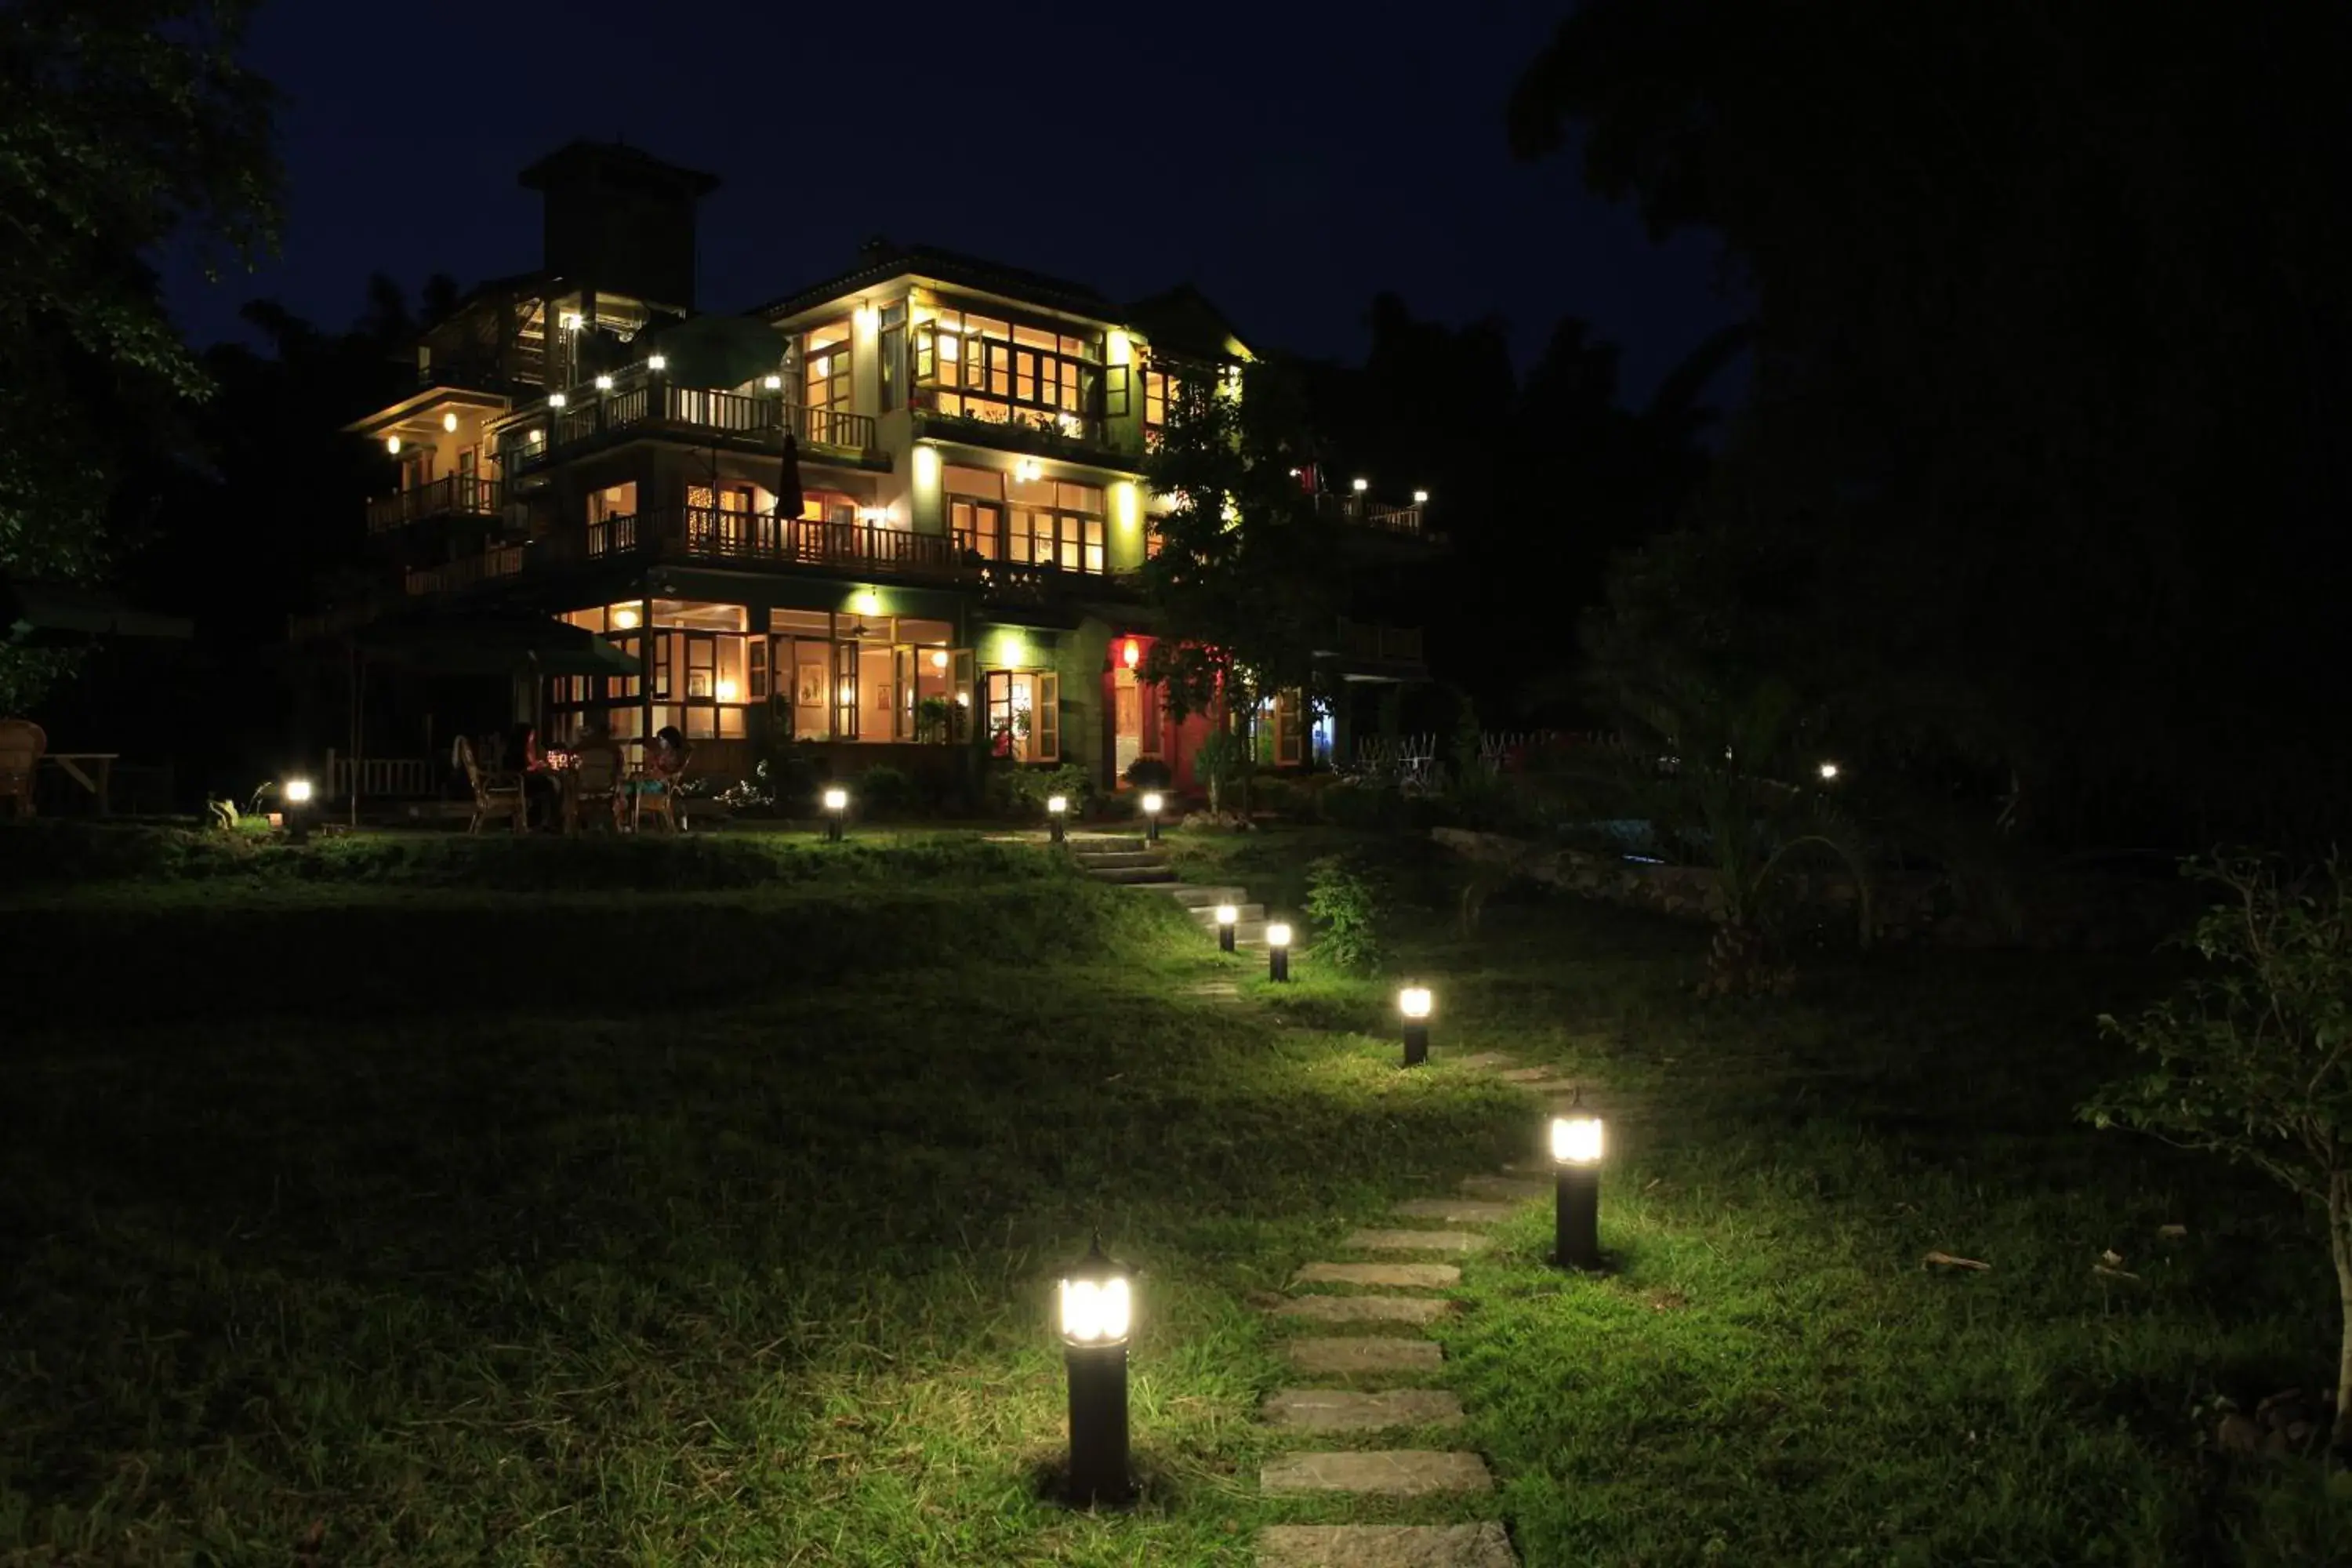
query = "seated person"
{"x": 542, "y": 795}
{"x": 664, "y": 762}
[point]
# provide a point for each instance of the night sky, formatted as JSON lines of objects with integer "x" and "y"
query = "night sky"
{"x": 1291, "y": 159}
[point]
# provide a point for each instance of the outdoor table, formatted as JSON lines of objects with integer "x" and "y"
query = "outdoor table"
{"x": 70, "y": 764}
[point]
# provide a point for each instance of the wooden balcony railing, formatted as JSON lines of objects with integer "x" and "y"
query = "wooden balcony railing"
{"x": 453, "y": 495}
{"x": 647, "y": 404}
{"x": 505, "y": 560}
{"x": 1367, "y": 513}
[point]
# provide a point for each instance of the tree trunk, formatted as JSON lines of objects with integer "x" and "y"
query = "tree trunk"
{"x": 2339, "y": 1240}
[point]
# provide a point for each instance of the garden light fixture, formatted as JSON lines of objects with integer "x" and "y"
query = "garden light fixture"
{"x": 1576, "y": 1145}
{"x": 1277, "y": 951}
{"x": 295, "y": 794}
{"x": 1096, "y": 1305}
{"x": 1057, "y": 811}
{"x": 1228, "y": 918}
{"x": 1829, "y": 771}
{"x": 836, "y": 806}
{"x": 1152, "y": 804}
{"x": 1413, "y": 1003}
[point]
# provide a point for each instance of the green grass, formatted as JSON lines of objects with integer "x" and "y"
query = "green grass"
{"x": 420, "y": 1203}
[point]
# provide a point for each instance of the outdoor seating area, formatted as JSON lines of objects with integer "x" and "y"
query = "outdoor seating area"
{"x": 597, "y": 784}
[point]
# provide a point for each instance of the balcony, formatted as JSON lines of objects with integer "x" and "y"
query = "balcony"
{"x": 1362, "y": 642}
{"x": 643, "y": 405}
{"x": 1360, "y": 511}
{"x": 860, "y": 549}
{"x": 455, "y": 495}
{"x": 467, "y": 571}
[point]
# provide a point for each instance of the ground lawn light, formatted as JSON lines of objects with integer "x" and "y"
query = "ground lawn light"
{"x": 1097, "y": 1301}
{"x": 1576, "y": 1144}
{"x": 1058, "y": 812}
{"x": 1228, "y": 918}
{"x": 1413, "y": 1003}
{"x": 836, "y": 806}
{"x": 1151, "y": 806}
{"x": 1277, "y": 951}
{"x": 297, "y": 794}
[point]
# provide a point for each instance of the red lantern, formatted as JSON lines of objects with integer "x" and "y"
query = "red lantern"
{"x": 1132, "y": 654}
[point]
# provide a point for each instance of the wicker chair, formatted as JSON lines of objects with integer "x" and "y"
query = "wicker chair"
{"x": 493, "y": 797}
{"x": 661, "y": 803}
{"x": 595, "y": 785}
{"x": 22, "y": 742}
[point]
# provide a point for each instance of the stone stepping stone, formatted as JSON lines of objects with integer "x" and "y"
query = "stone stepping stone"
{"x": 1528, "y": 1075}
{"x": 1505, "y": 1189}
{"x": 1385, "y": 1546}
{"x": 1394, "y": 1472}
{"x": 1553, "y": 1086}
{"x": 1347, "y": 1410}
{"x": 1365, "y": 1352}
{"x": 1390, "y": 1275}
{"x": 1366, "y": 1309}
{"x": 1456, "y": 1211}
{"x": 1479, "y": 1059}
{"x": 1413, "y": 1241}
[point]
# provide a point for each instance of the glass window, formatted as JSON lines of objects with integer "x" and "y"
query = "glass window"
{"x": 824, "y": 365}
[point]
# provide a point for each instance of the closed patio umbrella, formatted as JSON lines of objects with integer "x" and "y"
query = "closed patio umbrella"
{"x": 788, "y": 479}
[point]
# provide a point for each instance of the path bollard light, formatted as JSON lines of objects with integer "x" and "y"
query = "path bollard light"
{"x": 1057, "y": 811}
{"x": 836, "y": 806}
{"x": 1277, "y": 951}
{"x": 1576, "y": 1143}
{"x": 1152, "y": 804}
{"x": 1228, "y": 918}
{"x": 1413, "y": 1003}
{"x": 297, "y": 796}
{"x": 1096, "y": 1304}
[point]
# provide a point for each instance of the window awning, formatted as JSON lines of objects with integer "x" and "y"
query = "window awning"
{"x": 492, "y": 645}
{"x": 50, "y": 615}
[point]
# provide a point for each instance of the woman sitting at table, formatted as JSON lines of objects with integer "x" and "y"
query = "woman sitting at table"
{"x": 542, "y": 795}
{"x": 665, "y": 761}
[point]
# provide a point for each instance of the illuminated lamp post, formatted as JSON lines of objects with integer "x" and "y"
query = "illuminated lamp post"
{"x": 1576, "y": 1144}
{"x": 1413, "y": 1004}
{"x": 1057, "y": 811}
{"x": 1278, "y": 953}
{"x": 297, "y": 796}
{"x": 1096, "y": 1304}
{"x": 836, "y": 806}
{"x": 1228, "y": 918}
{"x": 1829, "y": 772}
{"x": 1152, "y": 802}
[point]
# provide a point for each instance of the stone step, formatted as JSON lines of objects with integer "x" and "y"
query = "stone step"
{"x": 1193, "y": 895}
{"x": 1487, "y": 1059}
{"x": 1112, "y": 859}
{"x": 1087, "y": 843}
{"x": 1393, "y": 1472}
{"x": 1456, "y": 1211}
{"x": 1132, "y": 876}
{"x": 1353, "y": 1354}
{"x": 1246, "y": 914}
{"x": 1390, "y": 1275}
{"x": 1366, "y": 1309}
{"x": 1527, "y": 1075}
{"x": 1348, "y": 1410}
{"x": 1385, "y": 1546}
{"x": 1505, "y": 1189}
{"x": 1553, "y": 1086}
{"x": 1413, "y": 1241}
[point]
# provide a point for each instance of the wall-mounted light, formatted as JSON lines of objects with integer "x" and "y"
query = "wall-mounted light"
{"x": 556, "y": 400}
{"x": 1130, "y": 652}
{"x": 871, "y": 514}
{"x": 867, "y": 602}
{"x": 866, "y": 316}
{"x": 603, "y": 383}
{"x": 1576, "y": 1146}
{"x": 724, "y": 691}
{"x": 926, "y": 466}
{"x": 536, "y": 435}
{"x": 658, "y": 361}
{"x": 569, "y": 320}
{"x": 450, "y": 422}
{"x": 1420, "y": 498}
{"x": 939, "y": 658}
{"x": 625, "y": 620}
{"x": 391, "y": 445}
{"x": 773, "y": 383}
{"x": 1829, "y": 771}
{"x": 1361, "y": 485}
{"x": 1027, "y": 471}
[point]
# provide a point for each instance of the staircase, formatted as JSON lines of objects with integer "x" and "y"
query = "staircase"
{"x": 1126, "y": 859}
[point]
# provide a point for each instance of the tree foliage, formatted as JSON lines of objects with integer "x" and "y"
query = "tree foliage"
{"x": 126, "y": 126}
{"x": 2254, "y": 1060}
{"x": 2048, "y": 375}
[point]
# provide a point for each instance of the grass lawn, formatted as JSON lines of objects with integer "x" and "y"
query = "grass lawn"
{"x": 410, "y": 1202}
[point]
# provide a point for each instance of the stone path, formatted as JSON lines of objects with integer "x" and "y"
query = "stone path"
{"x": 1131, "y": 861}
{"x": 1372, "y": 1349}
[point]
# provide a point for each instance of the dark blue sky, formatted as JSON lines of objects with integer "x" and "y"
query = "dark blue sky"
{"x": 1291, "y": 159}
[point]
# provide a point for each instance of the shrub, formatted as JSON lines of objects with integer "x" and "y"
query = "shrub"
{"x": 883, "y": 790}
{"x": 1361, "y": 806}
{"x": 1015, "y": 791}
{"x": 1150, "y": 773}
{"x": 1346, "y": 898}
